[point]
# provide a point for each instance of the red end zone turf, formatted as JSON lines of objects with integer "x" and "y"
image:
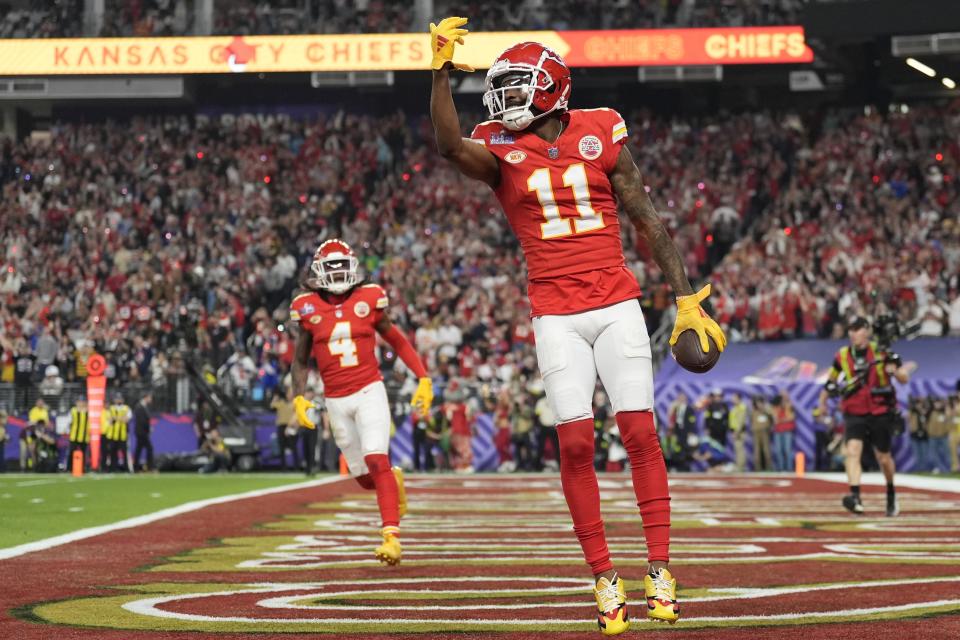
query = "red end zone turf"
{"x": 494, "y": 556}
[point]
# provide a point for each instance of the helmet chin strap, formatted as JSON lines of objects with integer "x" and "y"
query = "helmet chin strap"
{"x": 520, "y": 119}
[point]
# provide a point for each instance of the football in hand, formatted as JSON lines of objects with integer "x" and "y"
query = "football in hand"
{"x": 688, "y": 353}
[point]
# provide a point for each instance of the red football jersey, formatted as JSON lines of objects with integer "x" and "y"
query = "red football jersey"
{"x": 344, "y": 336}
{"x": 561, "y": 206}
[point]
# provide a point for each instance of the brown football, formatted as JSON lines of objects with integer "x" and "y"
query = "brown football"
{"x": 688, "y": 353}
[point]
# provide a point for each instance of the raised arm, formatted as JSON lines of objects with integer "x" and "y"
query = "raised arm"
{"x": 471, "y": 158}
{"x": 635, "y": 201}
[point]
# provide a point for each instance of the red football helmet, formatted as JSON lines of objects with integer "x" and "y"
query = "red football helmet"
{"x": 335, "y": 267}
{"x": 537, "y": 73}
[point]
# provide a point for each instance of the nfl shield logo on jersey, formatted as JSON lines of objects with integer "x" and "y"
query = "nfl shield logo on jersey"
{"x": 308, "y": 308}
{"x": 553, "y": 152}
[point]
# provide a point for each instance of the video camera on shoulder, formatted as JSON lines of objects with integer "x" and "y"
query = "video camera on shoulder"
{"x": 886, "y": 329}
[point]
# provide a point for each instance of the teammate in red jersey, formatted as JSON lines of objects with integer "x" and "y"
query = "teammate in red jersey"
{"x": 339, "y": 319}
{"x": 559, "y": 175}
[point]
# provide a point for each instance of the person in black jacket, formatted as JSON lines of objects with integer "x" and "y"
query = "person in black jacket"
{"x": 141, "y": 420}
{"x": 683, "y": 417}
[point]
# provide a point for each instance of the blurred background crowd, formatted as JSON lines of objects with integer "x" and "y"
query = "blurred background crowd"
{"x": 171, "y": 244}
{"x": 176, "y": 241}
{"x": 142, "y": 18}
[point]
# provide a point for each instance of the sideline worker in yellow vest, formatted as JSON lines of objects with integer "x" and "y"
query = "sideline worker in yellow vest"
{"x": 863, "y": 378}
{"x": 79, "y": 432}
{"x": 117, "y": 417}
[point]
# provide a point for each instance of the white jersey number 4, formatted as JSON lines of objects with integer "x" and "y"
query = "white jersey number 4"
{"x": 341, "y": 344}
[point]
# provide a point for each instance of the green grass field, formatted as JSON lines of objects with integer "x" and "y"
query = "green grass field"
{"x": 34, "y": 506}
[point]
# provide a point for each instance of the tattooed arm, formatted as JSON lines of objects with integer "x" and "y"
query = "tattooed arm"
{"x": 634, "y": 199}
{"x": 628, "y": 184}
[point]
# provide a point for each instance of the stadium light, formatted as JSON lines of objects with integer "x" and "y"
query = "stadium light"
{"x": 948, "y": 83}
{"x": 922, "y": 68}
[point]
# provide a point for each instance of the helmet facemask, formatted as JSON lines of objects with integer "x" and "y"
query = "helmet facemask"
{"x": 509, "y": 97}
{"x": 336, "y": 274}
{"x": 506, "y": 81}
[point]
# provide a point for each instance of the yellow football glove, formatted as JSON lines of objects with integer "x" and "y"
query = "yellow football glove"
{"x": 443, "y": 37}
{"x": 423, "y": 397}
{"x": 300, "y": 406}
{"x": 691, "y": 316}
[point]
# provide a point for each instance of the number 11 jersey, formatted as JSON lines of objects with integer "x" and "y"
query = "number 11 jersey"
{"x": 559, "y": 201}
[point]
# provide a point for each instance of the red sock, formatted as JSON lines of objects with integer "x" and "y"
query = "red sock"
{"x": 386, "y": 486}
{"x": 580, "y": 488}
{"x": 649, "y": 480}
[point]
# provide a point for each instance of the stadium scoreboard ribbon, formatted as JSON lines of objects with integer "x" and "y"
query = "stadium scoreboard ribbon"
{"x": 96, "y": 393}
{"x": 394, "y": 51}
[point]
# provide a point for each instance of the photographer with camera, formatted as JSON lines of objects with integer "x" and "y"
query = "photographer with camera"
{"x": 861, "y": 375}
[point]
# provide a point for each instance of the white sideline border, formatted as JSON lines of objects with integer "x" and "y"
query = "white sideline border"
{"x": 910, "y": 481}
{"x": 147, "y": 518}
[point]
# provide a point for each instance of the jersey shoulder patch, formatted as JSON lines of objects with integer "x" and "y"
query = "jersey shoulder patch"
{"x": 492, "y": 132}
{"x": 376, "y": 292}
{"x": 303, "y": 305}
{"x": 480, "y": 131}
{"x": 609, "y": 121}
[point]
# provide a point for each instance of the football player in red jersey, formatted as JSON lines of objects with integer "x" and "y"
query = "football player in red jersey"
{"x": 339, "y": 319}
{"x": 559, "y": 175}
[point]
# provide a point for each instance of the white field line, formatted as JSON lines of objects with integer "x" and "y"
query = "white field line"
{"x": 289, "y": 602}
{"x": 696, "y": 480}
{"x": 303, "y": 562}
{"x": 150, "y": 606}
{"x": 147, "y": 518}
{"x": 928, "y": 483}
{"x": 34, "y": 483}
{"x": 423, "y": 540}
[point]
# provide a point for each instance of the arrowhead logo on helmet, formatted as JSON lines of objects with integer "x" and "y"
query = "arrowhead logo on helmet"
{"x": 335, "y": 267}
{"x": 526, "y": 82}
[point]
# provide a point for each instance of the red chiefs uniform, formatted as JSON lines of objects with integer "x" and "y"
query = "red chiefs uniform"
{"x": 344, "y": 336}
{"x": 561, "y": 205}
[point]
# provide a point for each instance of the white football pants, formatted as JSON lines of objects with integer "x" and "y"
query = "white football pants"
{"x": 361, "y": 425}
{"x": 612, "y": 342}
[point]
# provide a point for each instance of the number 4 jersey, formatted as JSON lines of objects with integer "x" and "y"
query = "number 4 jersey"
{"x": 560, "y": 203}
{"x": 344, "y": 336}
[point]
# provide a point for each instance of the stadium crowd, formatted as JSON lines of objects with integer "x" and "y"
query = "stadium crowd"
{"x": 146, "y": 18}
{"x": 163, "y": 243}
{"x": 143, "y": 18}
{"x": 42, "y": 19}
{"x": 865, "y": 222}
{"x": 285, "y": 17}
{"x": 622, "y": 14}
